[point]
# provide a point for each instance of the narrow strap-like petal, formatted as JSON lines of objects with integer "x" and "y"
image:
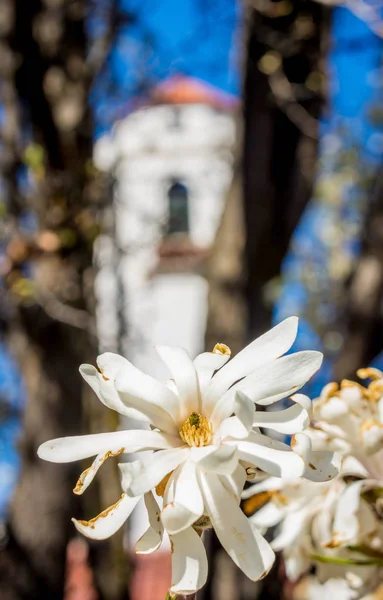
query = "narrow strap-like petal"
{"x": 245, "y": 545}
{"x": 241, "y": 423}
{"x": 184, "y": 504}
{"x": 90, "y": 473}
{"x": 290, "y": 529}
{"x": 108, "y": 521}
{"x": 288, "y": 421}
{"x": 347, "y": 522}
{"x": 272, "y": 382}
{"x": 141, "y": 476}
{"x": 189, "y": 562}
{"x": 103, "y": 386}
{"x": 272, "y": 456}
{"x": 321, "y": 465}
{"x": 110, "y": 364}
{"x": 235, "y": 482}
{"x": 151, "y": 540}
{"x": 68, "y": 449}
{"x": 149, "y": 396}
{"x": 266, "y": 485}
{"x": 267, "y": 516}
{"x": 261, "y": 351}
{"x": 222, "y": 460}
{"x": 184, "y": 374}
{"x": 206, "y": 365}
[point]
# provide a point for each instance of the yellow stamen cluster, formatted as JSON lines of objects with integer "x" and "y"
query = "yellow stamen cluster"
{"x": 375, "y": 389}
{"x": 221, "y": 349}
{"x": 196, "y": 431}
{"x": 373, "y": 392}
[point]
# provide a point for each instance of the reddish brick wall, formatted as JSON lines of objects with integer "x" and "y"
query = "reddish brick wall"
{"x": 150, "y": 580}
{"x": 151, "y": 576}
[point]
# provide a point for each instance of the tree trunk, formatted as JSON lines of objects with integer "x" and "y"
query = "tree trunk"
{"x": 282, "y": 99}
{"x": 363, "y": 318}
{"x": 50, "y": 288}
{"x": 32, "y": 566}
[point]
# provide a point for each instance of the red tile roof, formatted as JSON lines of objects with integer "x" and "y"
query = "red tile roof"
{"x": 188, "y": 90}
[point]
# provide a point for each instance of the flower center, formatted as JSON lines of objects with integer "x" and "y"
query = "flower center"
{"x": 197, "y": 430}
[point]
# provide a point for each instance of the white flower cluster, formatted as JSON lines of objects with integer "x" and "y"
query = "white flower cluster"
{"x": 337, "y": 526}
{"x": 204, "y": 434}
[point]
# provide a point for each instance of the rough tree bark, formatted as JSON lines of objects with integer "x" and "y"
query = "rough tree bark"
{"x": 282, "y": 100}
{"x": 45, "y": 84}
{"x": 363, "y": 316}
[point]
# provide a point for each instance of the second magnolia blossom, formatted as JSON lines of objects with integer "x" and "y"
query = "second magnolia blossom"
{"x": 205, "y": 440}
{"x": 336, "y": 526}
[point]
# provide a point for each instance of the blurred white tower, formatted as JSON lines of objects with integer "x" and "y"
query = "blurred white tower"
{"x": 172, "y": 163}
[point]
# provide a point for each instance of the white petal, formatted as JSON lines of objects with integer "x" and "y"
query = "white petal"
{"x": 334, "y": 409}
{"x": 141, "y": 476}
{"x": 291, "y": 528}
{"x": 273, "y": 457}
{"x": 235, "y": 482}
{"x": 103, "y": 386}
{"x": 183, "y": 371}
{"x": 206, "y": 364}
{"x": 321, "y": 465}
{"x": 109, "y": 521}
{"x": 263, "y": 350}
{"x": 267, "y": 516}
{"x": 239, "y": 425}
{"x": 346, "y": 524}
{"x": 68, "y": 449}
{"x": 371, "y": 432}
{"x": 110, "y": 364}
{"x": 152, "y": 538}
{"x": 288, "y": 421}
{"x": 272, "y": 382}
{"x": 297, "y": 562}
{"x": 266, "y": 485}
{"x": 149, "y": 396}
{"x": 305, "y": 402}
{"x": 171, "y": 384}
{"x": 302, "y": 445}
{"x": 247, "y": 548}
{"x": 351, "y": 467}
{"x": 89, "y": 474}
{"x": 222, "y": 460}
{"x": 184, "y": 504}
{"x": 189, "y": 562}
{"x": 292, "y": 372}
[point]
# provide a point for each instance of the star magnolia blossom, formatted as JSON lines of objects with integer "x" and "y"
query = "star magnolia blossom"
{"x": 350, "y": 420}
{"x": 327, "y": 525}
{"x": 335, "y": 526}
{"x": 206, "y": 441}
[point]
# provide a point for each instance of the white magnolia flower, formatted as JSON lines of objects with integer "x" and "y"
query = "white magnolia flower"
{"x": 350, "y": 420}
{"x": 205, "y": 439}
{"x": 327, "y": 525}
{"x": 335, "y": 525}
{"x": 310, "y": 588}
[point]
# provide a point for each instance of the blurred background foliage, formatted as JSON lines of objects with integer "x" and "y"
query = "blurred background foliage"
{"x": 300, "y": 229}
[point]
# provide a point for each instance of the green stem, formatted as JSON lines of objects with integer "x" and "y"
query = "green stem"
{"x": 336, "y": 560}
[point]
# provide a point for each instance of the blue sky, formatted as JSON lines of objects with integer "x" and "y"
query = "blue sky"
{"x": 355, "y": 87}
{"x": 156, "y": 40}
